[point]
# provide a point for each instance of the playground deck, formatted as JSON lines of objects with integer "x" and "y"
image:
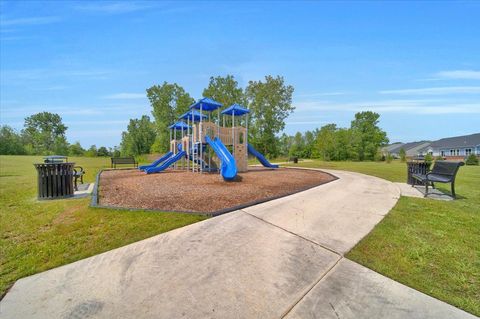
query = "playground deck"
{"x": 205, "y": 193}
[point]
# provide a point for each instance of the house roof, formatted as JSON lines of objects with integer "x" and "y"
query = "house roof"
{"x": 458, "y": 141}
{"x": 415, "y": 150}
{"x": 408, "y": 146}
{"x": 390, "y": 147}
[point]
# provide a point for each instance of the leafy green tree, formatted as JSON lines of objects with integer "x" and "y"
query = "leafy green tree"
{"x": 45, "y": 133}
{"x": 298, "y": 145}
{"x": 92, "y": 151}
{"x": 403, "y": 155}
{"x": 226, "y": 91}
{"x": 285, "y": 144}
{"x": 326, "y": 142}
{"x": 10, "y": 142}
{"x": 139, "y": 137}
{"x": 169, "y": 101}
{"x": 76, "y": 149}
{"x": 103, "y": 151}
{"x": 368, "y": 137}
{"x": 270, "y": 103}
{"x": 116, "y": 152}
{"x": 309, "y": 140}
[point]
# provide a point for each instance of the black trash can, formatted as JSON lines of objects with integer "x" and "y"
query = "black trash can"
{"x": 416, "y": 168}
{"x": 55, "y": 180}
{"x": 294, "y": 159}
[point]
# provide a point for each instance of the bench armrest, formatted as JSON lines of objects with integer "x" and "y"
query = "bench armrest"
{"x": 80, "y": 170}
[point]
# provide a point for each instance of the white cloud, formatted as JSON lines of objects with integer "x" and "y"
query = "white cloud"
{"x": 459, "y": 75}
{"x": 391, "y": 106}
{"x": 337, "y": 93}
{"x": 125, "y": 96}
{"x": 113, "y": 7}
{"x": 28, "y": 21}
{"x": 436, "y": 90}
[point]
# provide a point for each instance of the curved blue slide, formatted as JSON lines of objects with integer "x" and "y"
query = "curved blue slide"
{"x": 228, "y": 168}
{"x": 156, "y": 162}
{"x": 260, "y": 157}
{"x": 167, "y": 163}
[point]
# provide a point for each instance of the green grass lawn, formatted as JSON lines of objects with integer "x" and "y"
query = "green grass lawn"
{"x": 39, "y": 235}
{"x": 432, "y": 246}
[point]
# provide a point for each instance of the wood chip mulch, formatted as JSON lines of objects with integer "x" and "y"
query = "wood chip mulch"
{"x": 205, "y": 193}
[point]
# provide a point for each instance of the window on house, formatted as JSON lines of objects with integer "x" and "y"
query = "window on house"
{"x": 452, "y": 152}
{"x": 457, "y": 152}
{"x": 442, "y": 153}
{"x": 468, "y": 151}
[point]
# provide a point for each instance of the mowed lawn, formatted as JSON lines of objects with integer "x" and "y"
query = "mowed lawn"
{"x": 432, "y": 246}
{"x": 39, "y": 235}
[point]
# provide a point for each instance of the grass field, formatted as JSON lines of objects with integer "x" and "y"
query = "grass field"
{"x": 39, "y": 235}
{"x": 432, "y": 246}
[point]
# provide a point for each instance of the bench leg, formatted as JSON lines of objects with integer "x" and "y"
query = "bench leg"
{"x": 453, "y": 190}
{"x": 426, "y": 188}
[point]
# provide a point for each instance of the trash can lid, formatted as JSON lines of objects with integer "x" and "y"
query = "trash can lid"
{"x": 55, "y": 157}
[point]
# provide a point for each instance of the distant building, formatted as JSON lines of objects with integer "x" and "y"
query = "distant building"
{"x": 457, "y": 147}
{"x": 453, "y": 148}
{"x": 411, "y": 149}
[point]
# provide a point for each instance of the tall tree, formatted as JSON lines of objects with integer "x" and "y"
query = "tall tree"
{"x": 270, "y": 103}
{"x": 76, "y": 149}
{"x": 298, "y": 145}
{"x": 224, "y": 90}
{"x": 10, "y": 141}
{"x": 103, "y": 151}
{"x": 326, "y": 143}
{"x": 45, "y": 133}
{"x": 139, "y": 137}
{"x": 168, "y": 101}
{"x": 368, "y": 137}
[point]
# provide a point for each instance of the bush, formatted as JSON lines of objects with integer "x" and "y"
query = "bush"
{"x": 428, "y": 159}
{"x": 472, "y": 159}
{"x": 389, "y": 158}
{"x": 403, "y": 155}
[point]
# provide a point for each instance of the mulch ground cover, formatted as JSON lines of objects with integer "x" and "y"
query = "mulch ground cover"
{"x": 204, "y": 193}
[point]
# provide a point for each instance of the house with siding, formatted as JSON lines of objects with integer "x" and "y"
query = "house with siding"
{"x": 457, "y": 147}
{"x": 411, "y": 149}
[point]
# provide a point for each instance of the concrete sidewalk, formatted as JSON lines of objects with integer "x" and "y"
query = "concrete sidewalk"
{"x": 279, "y": 259}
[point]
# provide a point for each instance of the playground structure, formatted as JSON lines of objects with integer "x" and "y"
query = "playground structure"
{"x": 200, "y": 144}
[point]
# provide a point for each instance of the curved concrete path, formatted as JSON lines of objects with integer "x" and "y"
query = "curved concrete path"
{"x": 279, "y": 259}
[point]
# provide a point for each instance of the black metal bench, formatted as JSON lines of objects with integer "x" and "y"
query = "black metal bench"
{"x": 442, "y": 172}
{"x": 123, "y": 160}
{"x": 78, "y": 173}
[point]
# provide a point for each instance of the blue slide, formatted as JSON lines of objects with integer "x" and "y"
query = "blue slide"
{"x": 166, "y": 164}
{"x": 228, "y": 168}
{"x": 260, "y": 157}
{"x": 157, "y": 162}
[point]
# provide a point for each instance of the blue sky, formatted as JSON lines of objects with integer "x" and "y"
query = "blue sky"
{"x": 417, "y": 64}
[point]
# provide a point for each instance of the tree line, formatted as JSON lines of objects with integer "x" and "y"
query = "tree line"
{"x": 269, "y": 102}
{"x": 44, "y": 134}
{"x": 361, "y": 141}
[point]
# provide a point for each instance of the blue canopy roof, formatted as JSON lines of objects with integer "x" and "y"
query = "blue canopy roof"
{"x": 179, "y": 126}
{"x": 192, "y": 113}
{"x": 235, "y": 109}
{"x": 207, "y": 104}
